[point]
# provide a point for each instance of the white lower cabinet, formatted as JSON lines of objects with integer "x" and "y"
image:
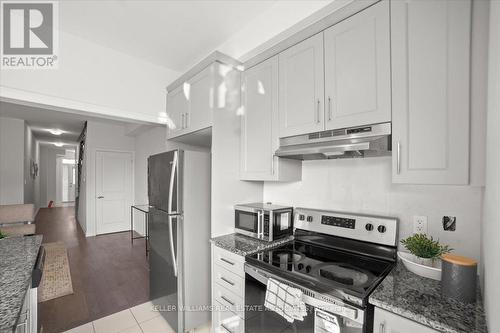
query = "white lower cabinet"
{"x": 28, "y": 321}
{"x": 387, "y": 322}
{"x": 227, "y": 322}
{"x": 228, "y": 291}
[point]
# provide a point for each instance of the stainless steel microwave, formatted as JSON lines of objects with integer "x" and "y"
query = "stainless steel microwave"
{"x": 263, "y": 221}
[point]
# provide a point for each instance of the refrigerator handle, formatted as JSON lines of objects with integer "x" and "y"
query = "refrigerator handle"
{"x": 172, "y": 248}
{"x": 172, "y": 179}
{"x": 170, "y": 198}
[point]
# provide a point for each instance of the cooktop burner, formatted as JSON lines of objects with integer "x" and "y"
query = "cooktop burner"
{"x": 343, "y": 273}
{"x": 286, "y": 256}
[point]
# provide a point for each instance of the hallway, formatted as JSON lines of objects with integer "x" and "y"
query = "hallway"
{"x": 108, "y": 273}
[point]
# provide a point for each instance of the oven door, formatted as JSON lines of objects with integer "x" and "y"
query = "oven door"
{"x": 318, "y": 320}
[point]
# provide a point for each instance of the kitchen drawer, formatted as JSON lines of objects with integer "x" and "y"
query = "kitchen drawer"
{"x": 226, "y": 298}
{"x": 230, "y": 261}
{"x": 226, "y": 321}
{"x": 229, "y": 280}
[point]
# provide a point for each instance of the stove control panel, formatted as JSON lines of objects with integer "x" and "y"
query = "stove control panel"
{"x": 336, "y": 221}
{"x": 374, "y": 229}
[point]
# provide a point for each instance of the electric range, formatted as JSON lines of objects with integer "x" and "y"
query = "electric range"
{"x": 337, "y": 259}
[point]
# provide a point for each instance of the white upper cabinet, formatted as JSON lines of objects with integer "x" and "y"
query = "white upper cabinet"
{"x": 430, "y": 91}
{"x": 357, "y": 69}
{"x": 190, "y": 106}
{"x": 259, "y": 126}
{"x": 177, "y": 108}
{"x": 201, "y": 100}
{"x": 301, "y": 88}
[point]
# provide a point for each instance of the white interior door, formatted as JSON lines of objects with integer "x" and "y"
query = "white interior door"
{"x": 113, "y": 191}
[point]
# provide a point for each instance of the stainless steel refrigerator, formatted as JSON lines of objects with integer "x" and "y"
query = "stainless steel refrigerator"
{"x": 179, "y": 231}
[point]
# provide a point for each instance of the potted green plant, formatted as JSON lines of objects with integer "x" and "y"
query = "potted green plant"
{"x": 425, "y": 254}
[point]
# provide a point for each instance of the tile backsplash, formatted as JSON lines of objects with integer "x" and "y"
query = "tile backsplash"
{"x": 365, "y": 185}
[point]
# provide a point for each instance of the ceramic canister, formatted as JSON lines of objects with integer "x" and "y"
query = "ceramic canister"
{"x": 459, "y": 276}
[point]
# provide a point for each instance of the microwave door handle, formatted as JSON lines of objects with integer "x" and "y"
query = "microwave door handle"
{"x": 259, "y": 228}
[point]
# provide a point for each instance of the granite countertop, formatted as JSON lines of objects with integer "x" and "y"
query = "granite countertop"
{"x": 17, "y": 259}
{"x": 419, "y": 299}
{"x": 244, "y": 245}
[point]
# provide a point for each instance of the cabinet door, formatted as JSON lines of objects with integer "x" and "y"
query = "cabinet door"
{"x": 301, "y": 88}
{"x": 387, "y": 322}
{"x": 358, "y": 69}
{"x": 260, "y": 103}
{"x": 177, "y": 108}
{"x": 201, "y": 100}
{"x": 430, "y": 91}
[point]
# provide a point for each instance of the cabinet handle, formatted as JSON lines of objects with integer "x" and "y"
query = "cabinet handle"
{"x": 272, "y": 164}
{"x": 329, "y": 109}
{"x": 317, "y": 113}
{"x": 182, "y": 121}
{"x": 187, "y": 119}
{"x": 227, "y": 300}
{"x": 226, "y": 280}
{"x": 381, "y": 328}
{"x": 398, "y": 161}
{"x": 225, "y": 328}
{"x": 227, "y": 261}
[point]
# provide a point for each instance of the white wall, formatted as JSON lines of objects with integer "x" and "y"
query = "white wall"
{"x": 273, "y": 25}
{"x": 94, "y": 79}
{"x": 227, "y": 188}
{"x": 48, "y": 173}
{"x": 100, "y": 136}
{"x": 11, "y": 161}
{"x": 365, "y": 186}
{"x": 491, "y": 215}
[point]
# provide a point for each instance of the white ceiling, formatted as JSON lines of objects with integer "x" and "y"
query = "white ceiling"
{"x": 41, "y": 120}
{"x": 173, "y": 34}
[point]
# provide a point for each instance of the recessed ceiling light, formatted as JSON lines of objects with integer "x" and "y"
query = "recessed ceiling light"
{"x": 58, "y": 144}
{"x": 56, "y": 131}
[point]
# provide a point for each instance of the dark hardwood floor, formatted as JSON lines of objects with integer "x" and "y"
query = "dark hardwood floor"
{"x": 108, "y": 273}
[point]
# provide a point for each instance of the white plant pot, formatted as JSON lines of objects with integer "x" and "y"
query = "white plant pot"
{"x": 429, "y": 268}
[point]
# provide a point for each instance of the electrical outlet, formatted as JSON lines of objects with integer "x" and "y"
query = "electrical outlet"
{"x": 420, "y": 224}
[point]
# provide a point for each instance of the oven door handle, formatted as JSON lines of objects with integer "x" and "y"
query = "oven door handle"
{"x": 263, "y": 277}
{"x": 341, "y": 308}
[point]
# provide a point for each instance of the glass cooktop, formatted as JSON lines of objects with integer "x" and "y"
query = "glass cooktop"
{"x": 339, "y": 271}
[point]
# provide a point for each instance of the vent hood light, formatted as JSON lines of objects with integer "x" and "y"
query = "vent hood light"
{"x": 56, "y": 131}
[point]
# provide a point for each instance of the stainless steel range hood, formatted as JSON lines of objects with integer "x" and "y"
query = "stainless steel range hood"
{"x": 362, "y": 141}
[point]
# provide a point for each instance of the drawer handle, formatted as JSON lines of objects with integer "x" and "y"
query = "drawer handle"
{"x": 224, "y": 298}
{"x": 225, "y": 328}
{"x": 226, "y": 280}
{"x": 227, "y": 261}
